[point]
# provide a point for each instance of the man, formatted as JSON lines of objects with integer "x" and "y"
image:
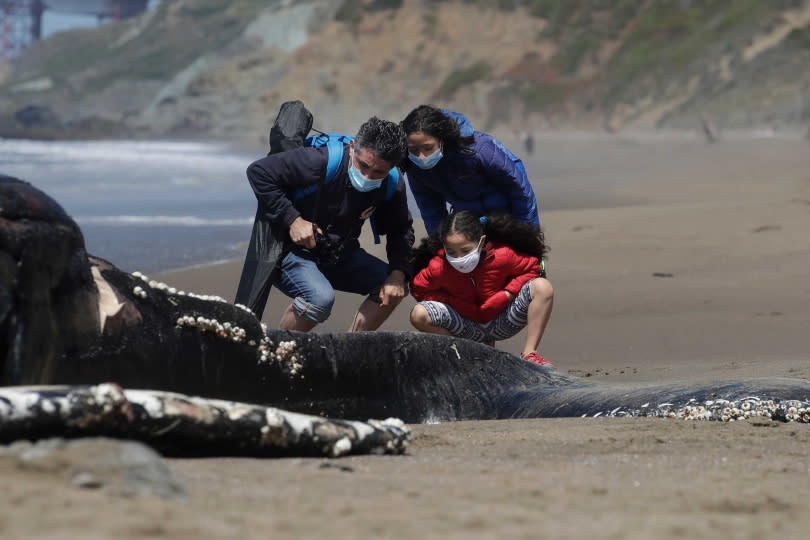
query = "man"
{"x": 322, "y": 222}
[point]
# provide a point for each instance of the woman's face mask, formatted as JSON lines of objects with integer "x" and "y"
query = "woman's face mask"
{"x": 426, "y": 162}
{"x": 468, "y": 262}
{"x": 424, "y": 150}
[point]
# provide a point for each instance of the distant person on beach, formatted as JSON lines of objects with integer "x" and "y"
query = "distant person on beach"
{"x": 478, "y": 278}
{"x": 449, "y": 163}
{"x": 321, "y": 228}
{"x": 528, "y": 143}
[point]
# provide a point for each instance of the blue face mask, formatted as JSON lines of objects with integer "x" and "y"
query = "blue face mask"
{"x": 427, "y": 162}
{"x": 360, "y": 182}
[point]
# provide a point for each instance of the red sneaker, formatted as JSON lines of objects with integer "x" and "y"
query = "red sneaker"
{"x": 536, "y": 358}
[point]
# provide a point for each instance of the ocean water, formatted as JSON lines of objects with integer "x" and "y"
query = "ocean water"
{"x": 144, "y": 205}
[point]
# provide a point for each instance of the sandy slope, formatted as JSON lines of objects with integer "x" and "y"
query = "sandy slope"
{"x": 724, "y": 225}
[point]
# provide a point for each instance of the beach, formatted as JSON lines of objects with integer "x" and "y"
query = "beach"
{"x": 672, "y": 259}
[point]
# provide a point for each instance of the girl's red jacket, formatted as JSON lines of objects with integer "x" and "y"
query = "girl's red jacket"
{"x": 480, "y": 294}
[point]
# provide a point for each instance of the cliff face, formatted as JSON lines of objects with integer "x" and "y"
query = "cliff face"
{"x": 220, "y": 69}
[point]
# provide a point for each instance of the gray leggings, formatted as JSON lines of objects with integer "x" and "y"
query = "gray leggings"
{"x": 509, "y": 322}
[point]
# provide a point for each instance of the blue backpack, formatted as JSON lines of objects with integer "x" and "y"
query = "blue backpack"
{"x": 334, "y": 143}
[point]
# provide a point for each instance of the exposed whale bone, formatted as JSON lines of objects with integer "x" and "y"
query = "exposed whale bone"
{"x": 178, "y": 424}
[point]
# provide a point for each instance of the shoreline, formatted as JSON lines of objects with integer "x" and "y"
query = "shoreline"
{"x": 630, "y": 134}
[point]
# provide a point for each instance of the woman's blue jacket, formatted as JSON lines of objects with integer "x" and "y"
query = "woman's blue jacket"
{"x": 489, "y": 179}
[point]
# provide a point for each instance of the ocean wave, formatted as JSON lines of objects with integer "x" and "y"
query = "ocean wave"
{"x": 152, "y": 221}
{"x": 142, "y": 153}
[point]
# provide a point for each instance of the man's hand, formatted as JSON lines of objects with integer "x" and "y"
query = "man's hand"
{"x": 393, "y": 289}
{"x": 302, "y": 232}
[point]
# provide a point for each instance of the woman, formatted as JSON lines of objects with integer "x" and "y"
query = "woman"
{"x": 450, "y": 163}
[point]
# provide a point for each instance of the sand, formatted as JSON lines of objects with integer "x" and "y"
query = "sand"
{"x": 671, "y": 259}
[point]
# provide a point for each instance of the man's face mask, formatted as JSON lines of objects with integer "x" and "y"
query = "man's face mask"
{"x": 360, "y": 182}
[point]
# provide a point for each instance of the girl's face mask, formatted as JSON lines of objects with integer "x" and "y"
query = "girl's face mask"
{"x": 468, "y": 262}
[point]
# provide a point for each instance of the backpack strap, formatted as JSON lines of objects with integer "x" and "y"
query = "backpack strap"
{"x": 393, "y": 180}
{"x": 334, "y": 149}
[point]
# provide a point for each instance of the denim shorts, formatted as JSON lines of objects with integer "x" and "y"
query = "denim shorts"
{"x": 508, "y": 323}
{"x": 312, "y": 287}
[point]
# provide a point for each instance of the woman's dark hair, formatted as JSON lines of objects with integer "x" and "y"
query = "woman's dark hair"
{"x": 503, "y": 229}
{"x": 431, "y": 121}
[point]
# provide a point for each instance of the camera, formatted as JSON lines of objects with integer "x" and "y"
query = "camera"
{"x": 328, "y": 251}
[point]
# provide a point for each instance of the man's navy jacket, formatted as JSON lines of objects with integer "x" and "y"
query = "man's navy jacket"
{"x": 342, "y": 209}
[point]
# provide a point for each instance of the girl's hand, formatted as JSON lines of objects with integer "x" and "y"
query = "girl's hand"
{"x": 509, "y": 295}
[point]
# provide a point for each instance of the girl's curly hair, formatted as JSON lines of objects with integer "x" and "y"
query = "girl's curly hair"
{"x": 503, "y": 228}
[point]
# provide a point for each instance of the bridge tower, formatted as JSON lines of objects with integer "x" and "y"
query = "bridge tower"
{"x": 21, "y": 20}
{"x": 20, "y": 23}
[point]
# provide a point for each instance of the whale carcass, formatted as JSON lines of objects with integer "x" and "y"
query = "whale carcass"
{"x": 75, "y": 321}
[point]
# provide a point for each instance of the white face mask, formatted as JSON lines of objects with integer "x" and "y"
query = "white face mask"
{"x": 468, "y": 262}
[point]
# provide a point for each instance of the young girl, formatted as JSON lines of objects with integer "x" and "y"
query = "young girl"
{"x": 479, "y": 279}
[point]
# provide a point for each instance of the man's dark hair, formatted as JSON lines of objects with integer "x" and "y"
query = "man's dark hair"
{"x": 386, "y": 139}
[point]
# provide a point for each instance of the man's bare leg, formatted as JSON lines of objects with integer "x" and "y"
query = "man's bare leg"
{"x": 370, "y": 316}
{"x": 290, "y": 320}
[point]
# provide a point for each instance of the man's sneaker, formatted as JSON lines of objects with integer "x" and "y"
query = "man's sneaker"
{"x": 536, "y": 358}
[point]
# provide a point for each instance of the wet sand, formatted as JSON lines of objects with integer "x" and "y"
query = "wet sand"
{"x": 672, "y": 259}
